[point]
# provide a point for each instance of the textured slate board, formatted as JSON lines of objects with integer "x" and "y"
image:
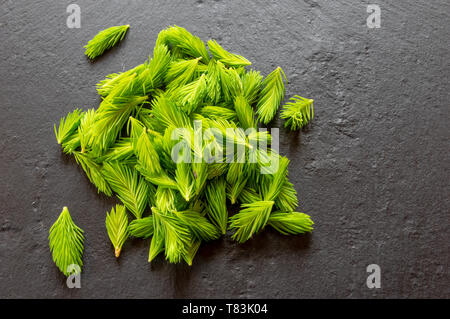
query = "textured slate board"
{"x": 372, "y": 170}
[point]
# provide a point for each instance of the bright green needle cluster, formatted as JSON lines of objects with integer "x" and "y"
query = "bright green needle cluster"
{"x": 67, "y": 126}
{"x": 117, "y": 228}
{"x": 105, "y": 40}
{"x": 298, "y": 112}
{"x": 175, "y": 139}
{"x": 271, "y": 95}
{"x": 225, "y": 57}
{"x": 66, "y": 243}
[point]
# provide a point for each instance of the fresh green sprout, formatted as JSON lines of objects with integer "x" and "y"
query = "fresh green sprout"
{"x": 105, "y": 40}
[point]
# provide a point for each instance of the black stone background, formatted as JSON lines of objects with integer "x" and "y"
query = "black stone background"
{"x": 372, "y": 170}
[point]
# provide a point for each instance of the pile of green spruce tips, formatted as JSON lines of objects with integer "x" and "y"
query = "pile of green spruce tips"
{"x": 176, "y": 139}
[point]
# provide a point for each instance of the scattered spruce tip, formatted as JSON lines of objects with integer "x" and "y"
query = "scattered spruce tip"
{"x": 66, "y": 243}
{"x": 298, "y": 112}
{"x": 105, "y": 40}
{"x": 117, "y": 227}
{"x": 125, "y": 148}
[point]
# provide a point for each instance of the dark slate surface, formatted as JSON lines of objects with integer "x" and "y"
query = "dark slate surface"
{"x": 372, "y": 170}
